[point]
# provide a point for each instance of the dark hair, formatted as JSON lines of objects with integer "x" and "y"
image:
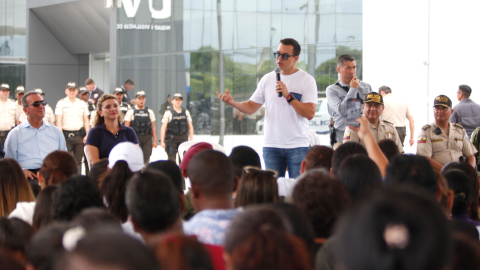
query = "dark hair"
{"x": 99, "y": 171}
{"x": 14, "y": 187}
{"x": 43, "y": 213}
{"x": 89, "y": 81}
{"x": 359, "y": 175}
{"x": 14, "y": 235}
{"x": 412, "y": 170}
{"x": 93, "y": 218}
{"x": 182, "y": 252}
{"x": 319, "y": 156}
{"x": 389, "y": 148}
{"x": 46, "y": 246}
{"x": 257, "y": 187}
{"x": 57, "y": 167}
{"x": 171, "y": 169}
{"x": 24, "y": 98}
{"x": 322, "y": 199}
{"x": 211, "y": 172}
{"x": 113, "y": 188}
{"x": 98, "y": 120}
{"x": 292, "y": 42}
{"x": 242, "y": 156}
{"x": 466, "y": 253}
{"x": 153, "y": 202}
{"x": 344, "y": 58}
{"x": 129, "y": 81}
{"x": 466, "y": 90}
{"x": 74, "y": 195}
{"x": 461, "y": 185}
{"x": 385, "y": 89}
{"x": 345, "y": 150}
{"x": 473, "y": 176}
{"x": 8, "y": 262}
{"x": 395, "y": 229}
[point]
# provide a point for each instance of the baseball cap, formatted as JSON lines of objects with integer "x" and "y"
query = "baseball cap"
{"x": 128, "y": 152}
{"x": 71, "y": 85}
{"x": 192, "y": 151}
{"x": 19, "y": 90}
{"x": 374, "y": 97}
{"x": 82, "y": 90}
{"x": 5, "y": 86}
{"x": 140, "y": 93}
{"x": 118, "y": 90}
{"x": 442, "y": 100}
{"x": 177, "y": 95}
{"x": 38, "y": 91}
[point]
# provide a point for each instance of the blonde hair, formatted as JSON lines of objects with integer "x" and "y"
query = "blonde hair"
{"x": 98, "y": 118}
{"x": 14, "y": 187}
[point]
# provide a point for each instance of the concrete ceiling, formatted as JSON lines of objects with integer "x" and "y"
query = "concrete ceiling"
{"x": 81, "y": 26}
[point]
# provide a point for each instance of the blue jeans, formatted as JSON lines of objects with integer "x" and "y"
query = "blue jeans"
{"x": 278, "y": 159}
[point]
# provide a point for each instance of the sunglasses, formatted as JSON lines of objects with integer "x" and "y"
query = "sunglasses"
{"x": 36, "y": 104}
{"x": 284, "y": 56}
{"x": 248, "y": 169}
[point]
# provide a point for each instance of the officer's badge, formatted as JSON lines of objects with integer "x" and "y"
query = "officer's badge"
{"x": 95, "y": 96}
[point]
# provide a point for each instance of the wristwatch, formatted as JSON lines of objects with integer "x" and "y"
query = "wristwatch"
{"x": 290, "y": 98}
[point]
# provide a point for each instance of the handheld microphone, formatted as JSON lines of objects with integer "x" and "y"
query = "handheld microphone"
{"x": 277, "y": 71}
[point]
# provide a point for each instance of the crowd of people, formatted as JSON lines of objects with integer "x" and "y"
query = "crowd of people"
{"x": 359, "y": 203}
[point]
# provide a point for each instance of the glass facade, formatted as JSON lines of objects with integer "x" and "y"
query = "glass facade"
{"x": 12, "y": 42}
{"x": 206, "y": 46}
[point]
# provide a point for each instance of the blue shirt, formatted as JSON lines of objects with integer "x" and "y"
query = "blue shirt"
{"x": 29, "y": 146}
{"x": 467, "y": 114}
{"x": 104, "y": 140}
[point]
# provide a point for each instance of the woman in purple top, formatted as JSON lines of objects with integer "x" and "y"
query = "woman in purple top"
{"x": 107, "y": 131}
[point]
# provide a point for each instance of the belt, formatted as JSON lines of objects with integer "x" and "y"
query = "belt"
{"x": 75, "y": 133}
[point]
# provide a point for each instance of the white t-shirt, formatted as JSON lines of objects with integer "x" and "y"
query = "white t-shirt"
{"x": 285, "y": 128}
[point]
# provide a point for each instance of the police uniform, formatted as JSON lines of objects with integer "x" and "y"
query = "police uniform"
{"x": 434, "y": 143}
{"x": 73, "y": 114}
{"x": 19, "y": 110}
{"x": 177, "y": 129}
{"x": 141, "y": 121}
{"x": 7, "y": 116}
{"x": 124, "y": 106}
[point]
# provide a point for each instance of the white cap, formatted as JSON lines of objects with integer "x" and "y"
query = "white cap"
{"x": 130, "y": 153}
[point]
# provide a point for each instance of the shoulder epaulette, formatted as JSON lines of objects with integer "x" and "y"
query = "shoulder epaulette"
{"x": 458, "y": 125}
{"x": 426, "y": 127}
{"x": 387, "y": 122}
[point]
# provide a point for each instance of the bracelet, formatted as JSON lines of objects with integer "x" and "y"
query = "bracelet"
{"x": 290, "y": 98}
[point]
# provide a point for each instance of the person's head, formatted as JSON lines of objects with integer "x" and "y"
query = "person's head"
{"x": 442, "y": 109}
{"x": 118, "y": 93}
{"x": 107, "y": 108}
{"x": 113, "y": 189}
{"x": 464, "y": 91}
{"x": 15, "y": 234}
{"x": 46, "y": 247}
{"x": 128, "y": 85}
{"x": 83, "y": 93}
{"x": 90, "y": 84}
{"x": 359, "y": 175}
{"x": 257, "y": 187}
{"x": 259, "y": 238}
{"x": 73, "y": 196}
{"x": 168, "y": 98}
{"x": 389, "y": 148}
{"x": 4, "y": 91}
{"x": 177, "y": 100}
{"x": 171, "y": 169}
{"x": 461, "y": 185}
{"x": 130, "y": 153}
{"x": 43, "y": 212}
{"x": 412, "y": 170}
{"x": 444, "y": 194}
{"x": 322, "y": 199}
{"x": 99, "y": 171}
{"x": 140, "y": 98}
{"x": 373, "y": 107}
{"x": 343, "y": 151}
{"x": 466, "y": 253}
{"x": 182, "y": 252}
{"x": 71, "y": 90}
{"x": 33, "y": 105}
{"x": 346, "y": 67}
{"x": 288, "y": 52}
{"x": 242, "y": 156}
{"x": 106, "y": 249}
{"x": 394, "y": 229}
{"x": 13, "y": 186}
{"x": 19, "y": 92}
{"x": 153, "y": 202}
{"x": 57, "y": 167}
{"x": 317, "y": 157}
{"x": 384, "y": 90}
{"x": 211, "y": 178}
{"x": 93, "y": 218}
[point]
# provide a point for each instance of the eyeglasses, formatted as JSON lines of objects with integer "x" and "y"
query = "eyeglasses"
{"x": 248, "y": 169}
{"x": 36, "y": 104}
{"x": 284, "y": 56}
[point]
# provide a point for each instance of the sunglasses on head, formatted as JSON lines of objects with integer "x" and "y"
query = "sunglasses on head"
{"x": 284, "y": 56}
{"x": 36, "y": 104}
{"x": 248, "y": 169}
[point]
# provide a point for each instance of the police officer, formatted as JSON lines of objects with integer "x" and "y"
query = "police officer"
{"x": 124, "y": 106}
{"x": 83, "y": 95}
{"x": 142, "y": 120}
{"x": 441, "y": 141}
{"x": 372, "y": 109}
{"x": 49, "y": 115}
{"x": 19, "y": 92}
{"x": 7, "y": 112}
{"x": 176, "y": 126}
{"x": 72, "y": 117}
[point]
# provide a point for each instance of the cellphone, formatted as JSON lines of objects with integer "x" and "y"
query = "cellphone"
{"x": 354, "y": 110}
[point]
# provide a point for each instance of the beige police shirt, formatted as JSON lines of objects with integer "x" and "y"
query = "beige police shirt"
{"x": 72, "y": 113}
{"x": 167, "y": 117}
{"x": 385, "y": 130}
{"x": 444, "y": 149}
{"x": 129, "y": 115}
{"x": 49, "y": 115}
{"x": 7, "y": 115}
{"x": 396, "y": 110}
{"x": 18, "y": 110}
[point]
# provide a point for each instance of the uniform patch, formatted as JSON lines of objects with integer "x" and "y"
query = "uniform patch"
{"x": 437, "y": 140}
{"x": 458, "y": 125}
{"x": 426, "y": 127}
{"x": 346, "y": 136}
{"x": 422, "y": 139}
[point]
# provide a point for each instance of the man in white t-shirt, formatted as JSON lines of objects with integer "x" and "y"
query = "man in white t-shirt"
{"x": 286, "y": 118}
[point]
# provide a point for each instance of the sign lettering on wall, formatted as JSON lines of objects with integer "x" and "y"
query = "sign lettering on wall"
{"x": 131, "y": 8}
